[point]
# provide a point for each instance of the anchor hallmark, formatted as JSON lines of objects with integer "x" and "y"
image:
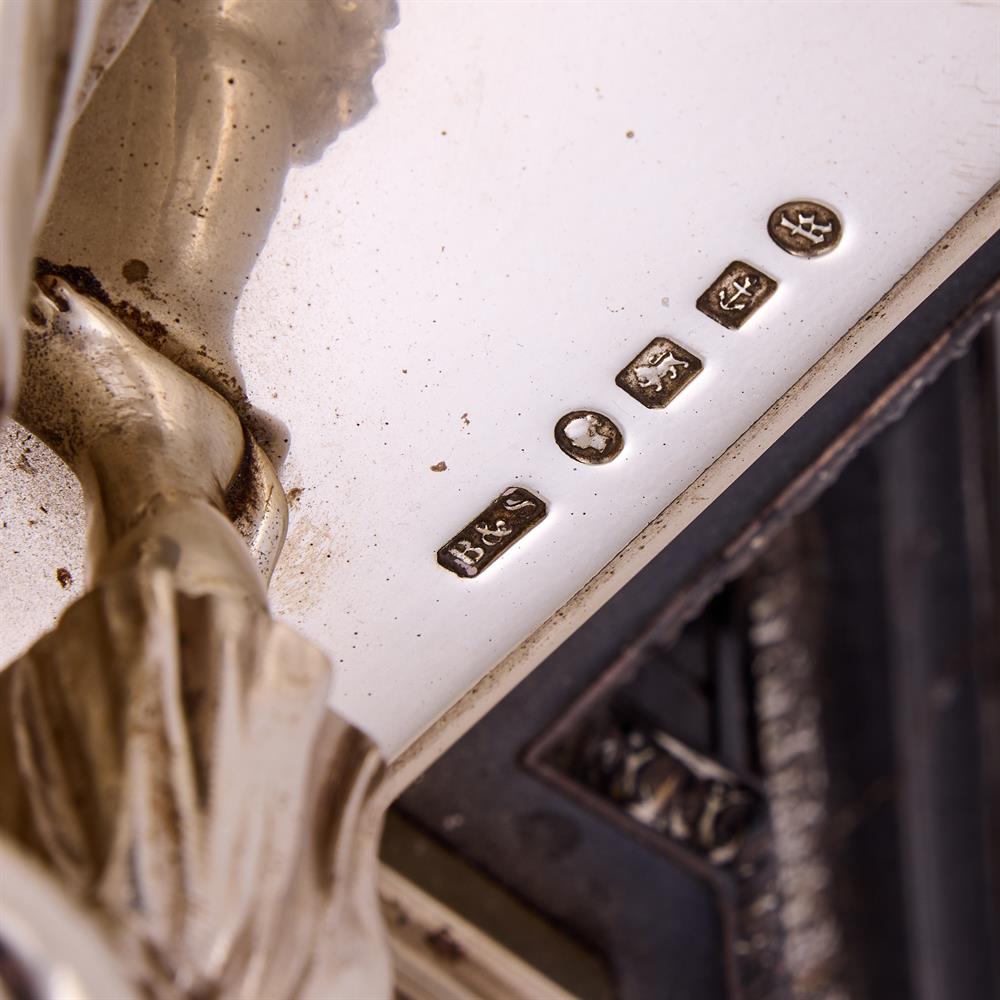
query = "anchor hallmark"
{"x": 736, "y": 294}
{"x": 494, "y": 530}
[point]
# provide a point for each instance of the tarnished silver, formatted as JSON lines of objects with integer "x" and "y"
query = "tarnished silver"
{"x": 589, "y": 437}
{"x": 494, "y": 530}
{"x": 736, "y": 294}
{"x": 168, "y": 759}
{"x": 658, "y": 373}
{"x": 805, "y": 228}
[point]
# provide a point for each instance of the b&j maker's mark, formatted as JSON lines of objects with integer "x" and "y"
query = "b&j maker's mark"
{"x": 514, "y": 513}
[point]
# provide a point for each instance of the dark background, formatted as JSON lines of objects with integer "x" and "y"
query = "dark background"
{"x": 868, "y": 542}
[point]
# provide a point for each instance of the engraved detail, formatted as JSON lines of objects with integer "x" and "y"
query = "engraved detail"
{"x": 462, "y": 550}
{"x": 589, "y": 437}
{"x": 736, "y": 294}
{"x": 805, "y": 228}
{"x": 512, "y": 503}
{"x": 653, "y": 374}
{"x": 815, "y": 233}
{"x": 493, "y": 535}
{"x": 493, "y": 531}
{"x": 658, "y": 373}
{"x": 733, "y": 300}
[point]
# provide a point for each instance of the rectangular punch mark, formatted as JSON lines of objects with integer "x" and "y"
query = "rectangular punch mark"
{"x": 658, "y": 373}
{"x": 494, "y": 530}
{"x": 736, "y": 294}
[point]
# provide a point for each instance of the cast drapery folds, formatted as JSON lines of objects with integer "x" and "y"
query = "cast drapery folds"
{"x": 168, "y": 757}
{"x": 173, "y": 760}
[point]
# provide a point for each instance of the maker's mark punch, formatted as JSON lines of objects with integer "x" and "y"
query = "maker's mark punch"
{"x": 514, "y": 513}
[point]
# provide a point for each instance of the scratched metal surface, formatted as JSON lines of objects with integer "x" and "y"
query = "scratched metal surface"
{"x": 541, "y": 190}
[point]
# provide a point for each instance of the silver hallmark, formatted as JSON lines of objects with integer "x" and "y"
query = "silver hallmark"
{"x": 589, "y": 437}
{"x": 511, "y": 515}
{"x": 736, "y": 294}
{"x": 805, "y": 228}
{"x": 658, "y": 373}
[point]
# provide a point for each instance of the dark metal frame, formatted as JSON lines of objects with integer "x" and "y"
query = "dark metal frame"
{"x": 484, "y": 776}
